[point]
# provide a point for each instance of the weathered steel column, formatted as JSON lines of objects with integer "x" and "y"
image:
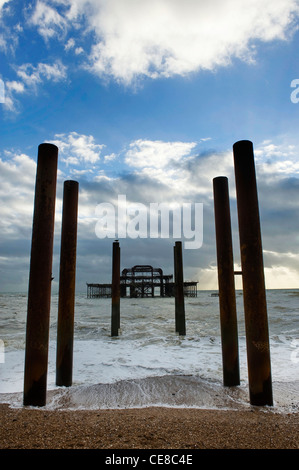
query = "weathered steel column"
{"x": 254, "y": 294}
{"x": 180, "y": 324}
{"x": 67, "y": 281}
{"x": 39, "y": 290}
{"x": 226, "y": 283}
{"x": 115, "y": 312}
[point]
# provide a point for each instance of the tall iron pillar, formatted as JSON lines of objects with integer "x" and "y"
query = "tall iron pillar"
{"x": 180, "y": 322}
{"x": 115, "y": 290}
{"x": 40, "y": 276}
{"x": 226, "y": 283}
{"x": 67, "y": 283}
{"x": 254, "y": 292}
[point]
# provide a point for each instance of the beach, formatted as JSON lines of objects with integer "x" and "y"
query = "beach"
{"x": 150, "y": 388}
{"x": 147, "y": 428}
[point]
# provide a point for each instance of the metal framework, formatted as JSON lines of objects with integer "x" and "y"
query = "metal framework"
{"x": 142, "y": 281}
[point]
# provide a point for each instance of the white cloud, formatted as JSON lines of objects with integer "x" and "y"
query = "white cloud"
{"x": 110, "y": 157}
{"x": 161, "y": 162}
{"x": 283, "y": 267}
{"x": 48, "y": 20}
{"x": 132, "y": 39}
{"x": 18, "y": 87}
{"x": 180, "y": 176}
{"x": 157, "y": 154}
{"x": 70, "y": 44}
{"x": 2, "y": 3}
{"x": 33, "y": 75}
{"x": 77, "y": 148}
{"x": 2, "y": 43}
{"x": 17, "y": 180}
{"x": 79, "y": 50}
{"x": 30, "y": 77}
{"x": 277, "y": 159}
{"x": 162, "y": 38}
{"x": 8, "y": 35}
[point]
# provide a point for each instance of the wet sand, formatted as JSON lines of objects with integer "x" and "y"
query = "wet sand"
{"x": 147, "y": 428}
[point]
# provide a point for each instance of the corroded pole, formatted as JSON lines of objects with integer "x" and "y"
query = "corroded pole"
{"x": 39, "y": 290}
{"x": 115, "y": 311}
{"x": 226, "y": 283}
{"x": 254, "y": 293}
{"x": 180, "y": 323}
{"x": 67, "y": 281}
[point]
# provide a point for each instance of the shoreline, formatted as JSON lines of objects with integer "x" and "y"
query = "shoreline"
{"x": 147, "y": 428}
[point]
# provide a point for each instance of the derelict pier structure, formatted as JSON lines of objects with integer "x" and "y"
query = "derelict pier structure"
{"x": 142, "y": 281}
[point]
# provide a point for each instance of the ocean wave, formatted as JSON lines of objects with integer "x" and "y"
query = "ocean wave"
{"x": 174, "y": 391}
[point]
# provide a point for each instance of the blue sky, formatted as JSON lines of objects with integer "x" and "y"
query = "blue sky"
{"x": 145, "y": 99}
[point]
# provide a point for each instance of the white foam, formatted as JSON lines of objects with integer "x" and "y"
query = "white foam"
{"x": 143, "y": 365}
{"x": 168, "y": 391}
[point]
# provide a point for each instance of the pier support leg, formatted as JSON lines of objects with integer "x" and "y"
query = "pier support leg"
{"x": 180, "y": 323}
{"x": 115, "y": 312}
{"x": 226, "y": 282}
{"x": 254, "y": 294}
{"x": 67, "y": 281}
{"x": 39, "y": 290}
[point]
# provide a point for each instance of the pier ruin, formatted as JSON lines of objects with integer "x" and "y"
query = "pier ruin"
{"x": 142, "y": 281}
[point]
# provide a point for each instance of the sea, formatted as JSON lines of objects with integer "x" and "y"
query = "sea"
{"x": 148, "y": 364}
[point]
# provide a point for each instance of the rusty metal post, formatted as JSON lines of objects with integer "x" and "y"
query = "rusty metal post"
{"x": 67, "y": 282}
{"x": 180, "y": 323}
{"x": 254, "y": 293}
{"x": 226, "y": 283}
{"x": 175, "y": 286}
{"x": 39, "y": 290}
{"x": 115, "y": 312}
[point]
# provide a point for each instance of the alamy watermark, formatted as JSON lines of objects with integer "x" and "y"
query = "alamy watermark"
{"x": 158, "y": 220}
{"x": 2, "y": 91}
{"x": 295, "y": 93}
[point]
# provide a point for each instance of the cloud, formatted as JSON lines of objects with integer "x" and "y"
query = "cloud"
{"x": 126, "y": 41}
{"x": 2, "y": 3}
{"x": 163, "y": 38}
{"x": 156, "y": 154}
{"x": 188, "y": 176}
{"x": 15, "y": 86}
{"x": 77, "y": 148}
{"x": 8, "y": 35}
{"x": 17, "y": 179}
{"x": 277, "y": 160}
{"x": 48, "y": 20}
{"x": 70, "y": 44}
{"x": 109, "y": 158}
{"x": 30, "y": 77}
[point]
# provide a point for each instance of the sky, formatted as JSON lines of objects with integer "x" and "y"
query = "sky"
{"x": 144, "y": 100}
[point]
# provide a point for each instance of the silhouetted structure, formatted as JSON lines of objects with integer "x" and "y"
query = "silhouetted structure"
{"x": 40, "y": 276}
{"x": 226, "y": 283}
{"x": 254, "y": 291}
{"x": 142, "y": 281}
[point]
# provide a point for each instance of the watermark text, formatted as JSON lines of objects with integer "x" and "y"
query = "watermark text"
{"x": 295, "y": 93}
{"x": 158, "y": 220}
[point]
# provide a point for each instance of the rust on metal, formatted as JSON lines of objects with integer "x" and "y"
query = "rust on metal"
{"x": 180, "y": 322}
{"x": 226, "y": 283}
{"x": 39, "y": 290}
{"x": 67, "y": 282}
{"x": 254, "y": 293}
{"x": 142, "y": 281}
{"x": 115, "y": 290}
